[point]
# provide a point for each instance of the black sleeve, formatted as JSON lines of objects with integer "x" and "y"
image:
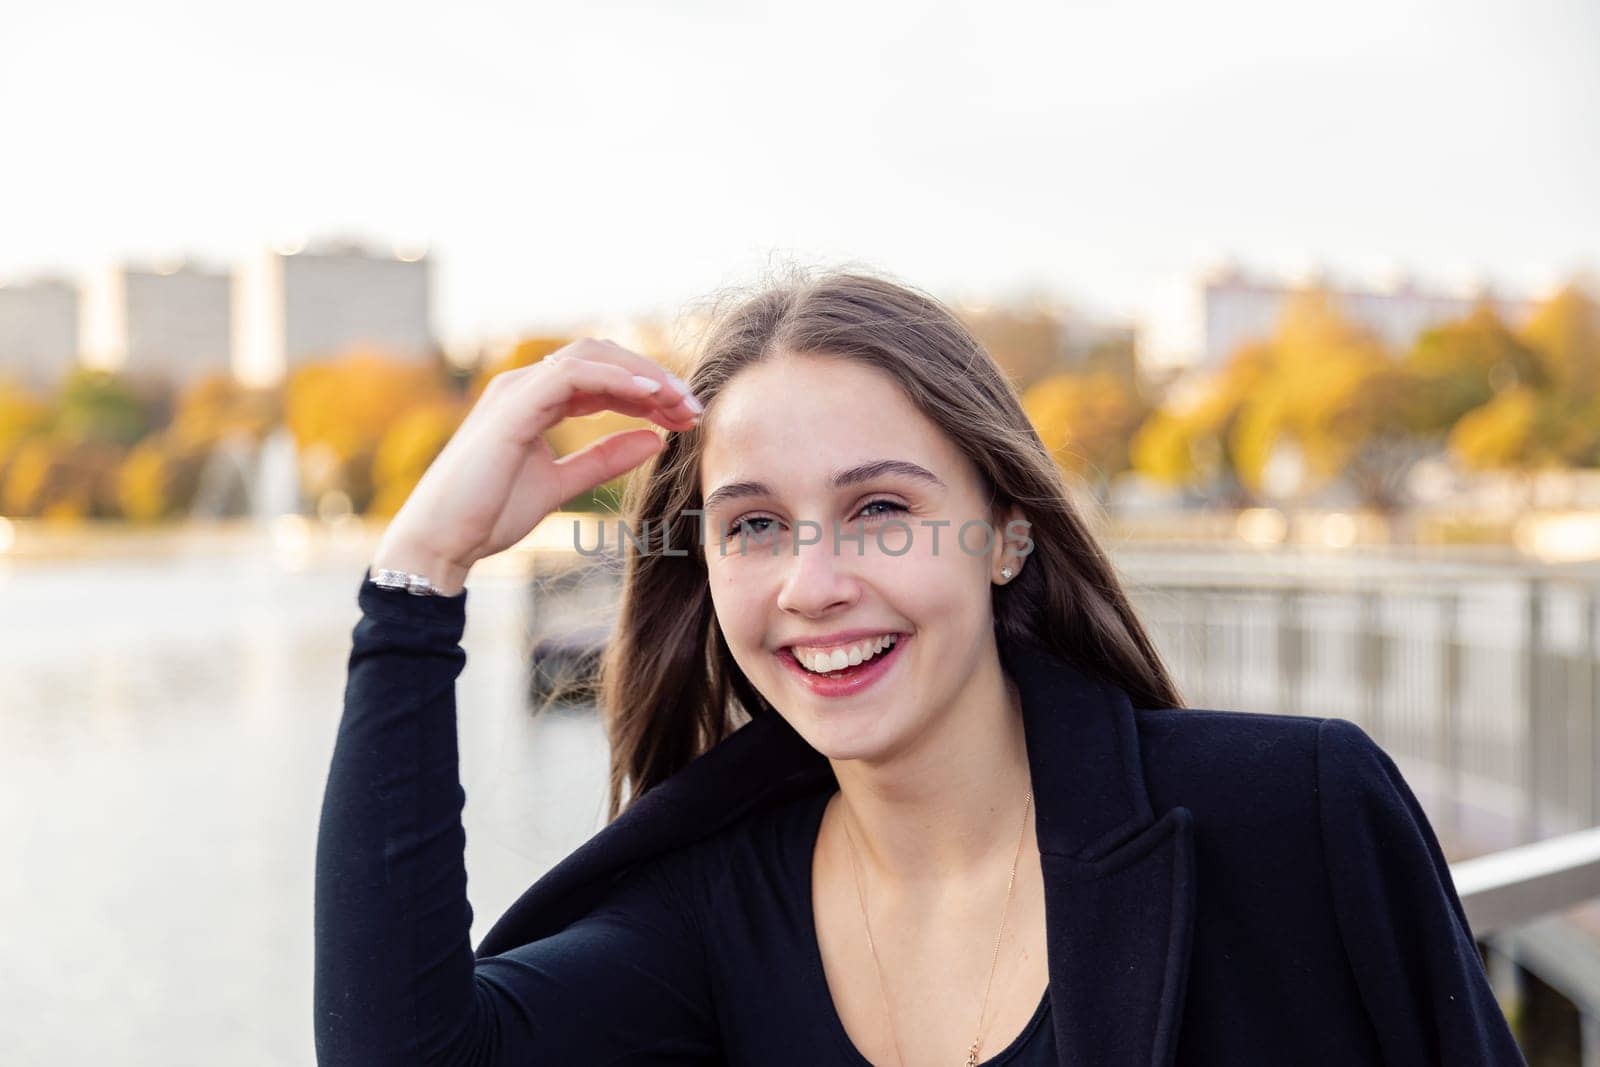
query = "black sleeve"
{"x": 396, "y": 981}
{"x": 1404, "y": 930}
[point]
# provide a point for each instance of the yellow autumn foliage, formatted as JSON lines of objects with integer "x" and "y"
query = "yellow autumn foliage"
{"x": 339, "y": 412}
{"x": 1565, "y": 330}
{"x": 347, "y": 404}
{"x": 1085, "y": 421}
{"x": 1321, "y": 383}
{"x": 53, "y": 478}
{"x": 406, "y": 450}
{"x": 217, "y": 406}
{"x": 1499, "y": 433}
{"x": 160, "y": 476}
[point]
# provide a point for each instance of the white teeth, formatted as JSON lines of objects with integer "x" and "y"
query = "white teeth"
{"x": 838, "y": 659}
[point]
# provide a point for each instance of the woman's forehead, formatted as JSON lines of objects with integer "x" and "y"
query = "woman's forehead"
{"x": 820, "y": 438}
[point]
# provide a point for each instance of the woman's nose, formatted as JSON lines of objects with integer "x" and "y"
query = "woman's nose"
{"x": 816, "y": 577}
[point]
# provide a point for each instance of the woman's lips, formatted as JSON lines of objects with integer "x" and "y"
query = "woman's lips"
{"x": 858, "y": 679}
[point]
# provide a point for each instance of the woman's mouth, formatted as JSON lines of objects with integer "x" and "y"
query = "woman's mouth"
{"x": 847, "y": 680}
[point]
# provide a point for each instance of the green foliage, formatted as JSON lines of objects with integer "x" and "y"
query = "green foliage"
{"x": 605, "y": 497}
{"x": 96, "y": 405}
{"x": 1463, "y": 365}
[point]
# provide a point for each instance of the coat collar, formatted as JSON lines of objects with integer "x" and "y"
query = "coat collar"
{"x": 1119, "y": 881}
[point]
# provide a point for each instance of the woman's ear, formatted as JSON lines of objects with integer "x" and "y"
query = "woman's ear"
{"x": 1011, "y": 544}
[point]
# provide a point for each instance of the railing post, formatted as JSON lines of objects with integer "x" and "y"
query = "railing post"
{"x": 1289, "y": 650}
{"x": 1591, "y": 707}
{"x": 1506, "y": 981}
{"x": 1448, "y": 753}
{"x": 1576, "y": 717}
{"x": 1532, "y": 696}
{"x": 1372, "y": 664}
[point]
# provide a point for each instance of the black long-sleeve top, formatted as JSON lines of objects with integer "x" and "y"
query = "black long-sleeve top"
{"x": 707, "y": 954}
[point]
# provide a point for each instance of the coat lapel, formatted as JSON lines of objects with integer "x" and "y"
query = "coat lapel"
{"x": 1119, "y": 882}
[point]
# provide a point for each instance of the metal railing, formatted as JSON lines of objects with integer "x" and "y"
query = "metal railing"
{"x": 1503, "y": 890}
{"x": 1481, "y": 682}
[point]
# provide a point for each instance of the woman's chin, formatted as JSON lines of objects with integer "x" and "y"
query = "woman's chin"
{"x": 840, "y": 739}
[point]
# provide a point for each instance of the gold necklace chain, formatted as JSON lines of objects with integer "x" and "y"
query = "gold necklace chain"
{"x": 861, "y": 898}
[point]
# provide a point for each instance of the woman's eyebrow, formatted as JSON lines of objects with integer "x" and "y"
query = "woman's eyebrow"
{"x": 863, "y": 472}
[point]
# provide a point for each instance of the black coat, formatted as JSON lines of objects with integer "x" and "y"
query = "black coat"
{"x": 1221, "y": 887}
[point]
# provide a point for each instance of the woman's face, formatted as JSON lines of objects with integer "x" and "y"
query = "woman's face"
{"x": 825, "y": 563}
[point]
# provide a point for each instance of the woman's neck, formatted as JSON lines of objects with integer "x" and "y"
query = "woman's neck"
{"x": 950, "y": 805}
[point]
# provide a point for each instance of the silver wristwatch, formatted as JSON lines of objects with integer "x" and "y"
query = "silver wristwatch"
{"x": 415, "y": 584}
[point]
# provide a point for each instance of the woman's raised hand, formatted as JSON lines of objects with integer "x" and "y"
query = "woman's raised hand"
{"x": 497, "y": 477}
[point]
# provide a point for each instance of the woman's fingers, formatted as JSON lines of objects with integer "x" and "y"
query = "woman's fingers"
{"x": 603, "y": 460}
{"x": 672, "y": 397}
{"x": 646, "y": 408}
{"x": 497, "y": 477}
{"x": 675, "y": 393}
{"x": 640, "y": 365}
{"x": 539, "y": 401}
{"x": 665, "y": 411}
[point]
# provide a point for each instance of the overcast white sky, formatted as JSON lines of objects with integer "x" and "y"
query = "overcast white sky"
{"x": 599, "y": 159}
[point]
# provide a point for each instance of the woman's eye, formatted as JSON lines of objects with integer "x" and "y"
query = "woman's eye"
{"x": 744, "y": 525}
{"x": 891, "y": 505}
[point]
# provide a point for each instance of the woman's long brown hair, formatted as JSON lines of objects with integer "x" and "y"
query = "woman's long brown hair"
{"x": 669, "y": 688}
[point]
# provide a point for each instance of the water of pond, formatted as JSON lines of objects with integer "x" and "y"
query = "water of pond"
{"x": 165, "y": 732}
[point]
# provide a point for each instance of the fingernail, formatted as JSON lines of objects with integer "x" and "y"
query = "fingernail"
{"x": 688, "y": 398}
{"x": 647, "y": 383}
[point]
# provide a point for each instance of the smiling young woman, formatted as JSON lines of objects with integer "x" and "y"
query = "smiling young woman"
{"x": 897, "y": 775}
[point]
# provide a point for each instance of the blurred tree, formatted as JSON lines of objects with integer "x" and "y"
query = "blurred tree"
{"x": 97, "y": 405}
{"x": 1086, "y": 421}
{"x": 1500, "y": 433}
{"x": 1565, "y": 330}
{"x": 339, "y": 411}
{"x": 1544, "y": 411}
{"x": 406, "y": 450}
{"x": 1321, "y": 388}
{"x": 1461, "y": 365}
{"x": 214, "y": 406}
{"x": 1326, "y": 393}
{"x": 21, "y": 413}
{"x": 58, "y": 479}
{"x": 160, "y": 476}
{"x": 1191, "y": 440}
{"x": 22, "y": 416}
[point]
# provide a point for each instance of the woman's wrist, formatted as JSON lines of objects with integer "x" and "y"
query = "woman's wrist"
{"x": 446, "y": 575}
